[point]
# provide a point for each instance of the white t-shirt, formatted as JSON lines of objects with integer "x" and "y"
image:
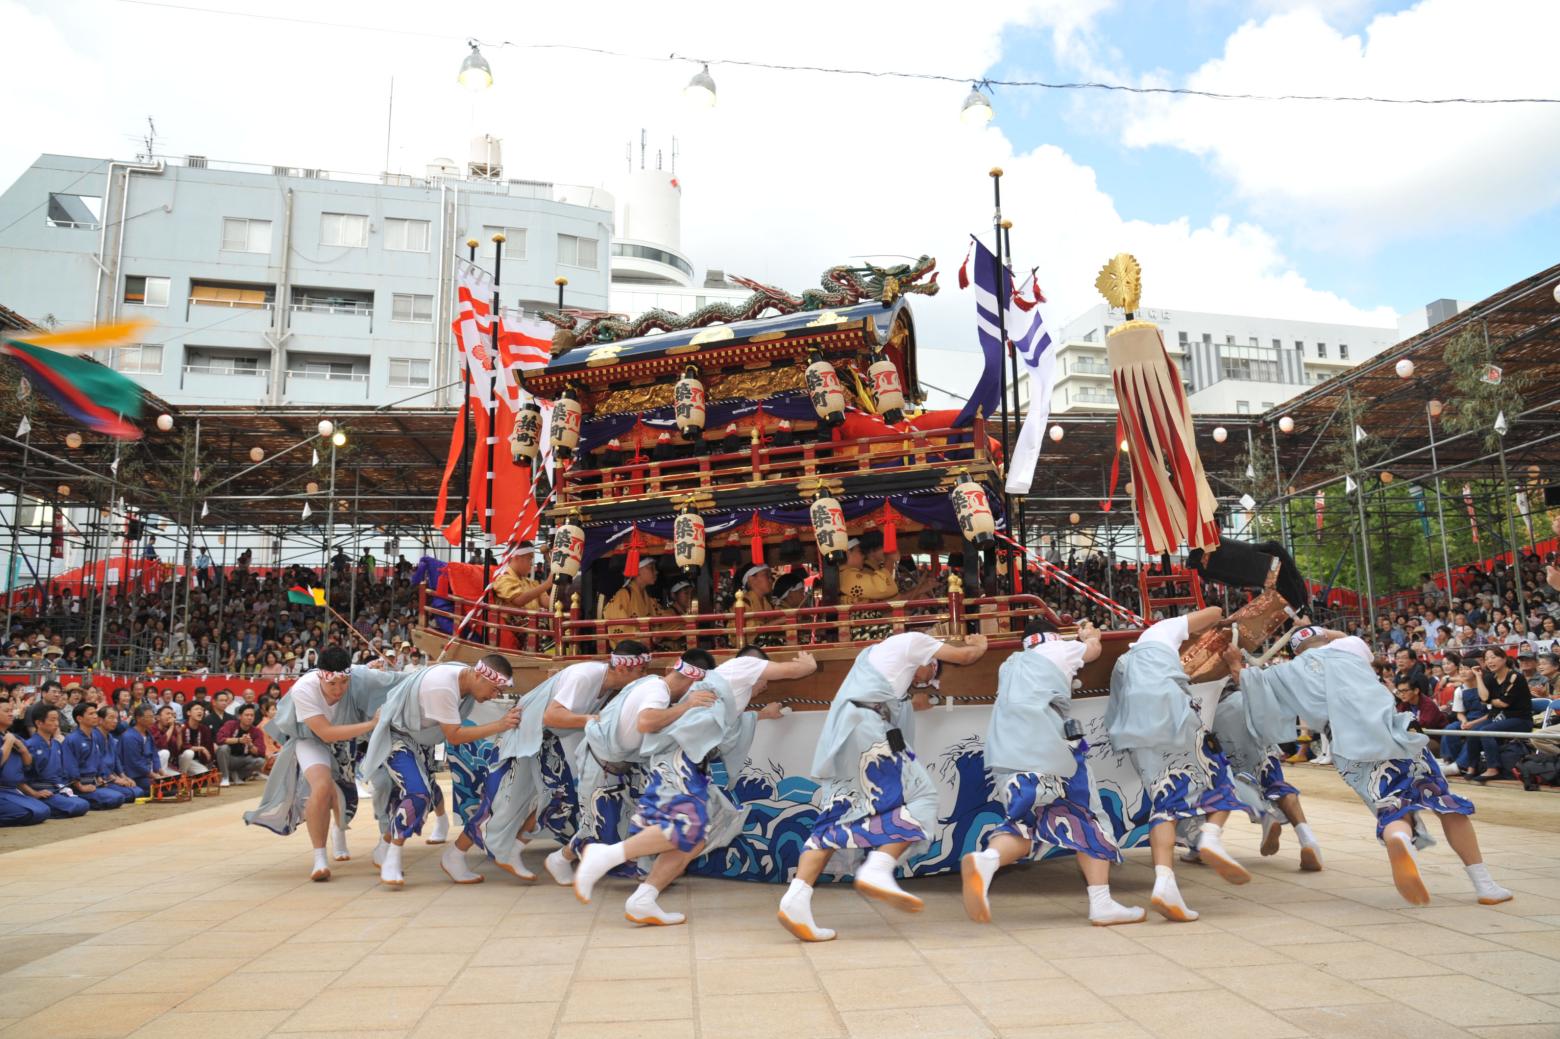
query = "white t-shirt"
{"x": 646, "y": 694}
{"x": 579, "y": 686}
{"x": 897, "y": 657}
{"x": 310, "y": 700}
{"x": 743, "y": 673}
{"x": 1067, "y": 654}
{"x": 439, "y": 694}
{"x": 1172, "y": 631}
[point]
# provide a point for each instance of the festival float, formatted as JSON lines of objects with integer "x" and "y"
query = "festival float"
{"x": 771, "y": 432}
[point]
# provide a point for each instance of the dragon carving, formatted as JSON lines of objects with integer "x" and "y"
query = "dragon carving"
{"x": 841, "y": 286}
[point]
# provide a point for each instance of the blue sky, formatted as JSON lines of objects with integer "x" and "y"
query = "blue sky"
{"x": 1172, "y": 39}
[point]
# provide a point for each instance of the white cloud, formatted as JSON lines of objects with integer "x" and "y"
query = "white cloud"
{"x": 1356, "y": 174}
{"x": 789, "y": 174}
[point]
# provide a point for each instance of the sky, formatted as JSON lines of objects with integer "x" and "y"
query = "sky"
{"x": 1339, "y": 212}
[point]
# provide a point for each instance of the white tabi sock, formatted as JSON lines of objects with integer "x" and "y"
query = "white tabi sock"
{"x": 1489, "y": 892}
{"x": 338, "y": 844}
{"x": 796, "y": 914}
{"x": 1105, "y": 911}
{"x": 321, "y": 870}
{"x": 390, "y": 872}
{"x": 560, "y": 868}
{"x": 1305, "y": 836}
{"x": 379, "y": 851}
{"x": 1167, "y": 899}
{"x": 875, "y": 879}
{"x": 595, "y": 862}
{"x": 641, "y": 908}
{"x": 1210, "y": 848}
{"x": 509, "y": 859}
{"x": 441, "y": 829}
{"x": 453, "y": 862}
{"x": 977, "y": 868}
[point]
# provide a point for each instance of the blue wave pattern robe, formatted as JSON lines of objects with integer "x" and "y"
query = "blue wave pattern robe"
{"x": 286, "y": 790}
{"x": 1042, "y": 778}
{"x": 1152, "y": 718}
{"x": 514, "y": 786}
{"x": 611, "y": 775}
{"x": 1256, "y": 767}
{"x": 402, "y": 727}
{"x": 1389, "y": 767}
{"x": 681, "y": 799}
{"x": 872, "y": 795}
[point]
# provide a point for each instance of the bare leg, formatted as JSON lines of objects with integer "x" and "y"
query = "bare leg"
{"x": 1310, "y": 850}
{"x": 647, "y": 842}
{"x": 1161, "y": 841}
{"x": 1010, "y": 848}
{"x": 1166, "y": 899}
{"x": 1095, "y": 871}
{"x": 1398, "y": 836}
{"x": 1289, "y": 804}
{"x": 810, "y": 867}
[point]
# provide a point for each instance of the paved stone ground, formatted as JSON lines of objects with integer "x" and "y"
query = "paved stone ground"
{"x": 192, "y": 925}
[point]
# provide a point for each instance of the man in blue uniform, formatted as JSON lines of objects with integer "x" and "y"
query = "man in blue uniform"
{"x": 83, "y": 762}
{"x": 47, "y": 775}
{"x": 138, "y": 759}
{"x": 18, "y": 807}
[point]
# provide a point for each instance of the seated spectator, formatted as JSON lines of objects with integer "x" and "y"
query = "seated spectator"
{"x": 199, "y": 740}
{"x": 48, "y": 776}
{"x": 1549, "y": 671}
{"x": 241, "y": 748}
{"x": 138, "y": 760}
{"x": 1427, "y": 713}
{"x": 1505, "y": 692}
{"x": 84, "y": 762}
{"x": 19, "y": 805}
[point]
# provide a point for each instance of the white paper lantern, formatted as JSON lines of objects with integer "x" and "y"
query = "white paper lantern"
{"x": 1286, "y": 425}
{"x": 688, "y": 542}
{"x": 1074, "y": 518}
{"x": 688, "y": 404}
{"x": 1220, "y": 434}
{"x": 566, "y": 421}
{"x": 73, "y": 440}
{"x": 525, "y": 440}
{"x": 327, "y": 427}
{"x": 887, "y": 388}
{"x": 64, "y": 490}
{"x": 825, "y": 391}
{"x": 1056, "y": 434}
{"x": 256, "y": 453}
{"x": 972, "y": 509}
{"x": 568, "y": 549}
{"x": 312, "y": 487}
{"x": 828, "y": 522}
{"x": 165, "y": 422}
{"x": 1405, "y": 368}
{"x": 1436, "y": 408}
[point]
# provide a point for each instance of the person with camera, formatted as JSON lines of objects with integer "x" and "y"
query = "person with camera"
{"x": 240, "y": 747}
{"x": 1505, "y": 692}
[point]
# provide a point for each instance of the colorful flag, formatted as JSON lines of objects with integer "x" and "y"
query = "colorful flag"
{"x": 304, "y": 595}
{"x": 1473, "y": 519}
{"x": 92, "y": 394}
{"x": 988, "y": 389}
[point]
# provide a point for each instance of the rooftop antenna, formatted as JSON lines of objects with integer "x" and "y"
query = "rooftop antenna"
{"x": 628, "y": 150}
{"x": 658, "y": 158}
{"x": 642, "y": 142}
{"x": 149, "y": 141}
{"x": 674, "y": 156}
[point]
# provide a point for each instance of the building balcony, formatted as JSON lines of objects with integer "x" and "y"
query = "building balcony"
{"x": 229, "y": 316}
{"x": 347, "y": 324}
{"x": 1087, "y": 366}
{"x": 1106, "y": 398}
{"x": 324, "y": 388}
{"x": 222, "y": 384}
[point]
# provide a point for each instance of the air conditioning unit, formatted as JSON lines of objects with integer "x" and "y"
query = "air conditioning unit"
{"x": 282, "y": 171}
{"x": 195, "y": 162}
{"x": 316, "y": 174}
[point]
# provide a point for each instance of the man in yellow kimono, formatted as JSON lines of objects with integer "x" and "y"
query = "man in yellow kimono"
{"x": 517, "y": 586}
{"x": 634, "y": 599}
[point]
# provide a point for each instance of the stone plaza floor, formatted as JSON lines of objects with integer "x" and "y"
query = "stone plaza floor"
{"x": 194, "y": 925}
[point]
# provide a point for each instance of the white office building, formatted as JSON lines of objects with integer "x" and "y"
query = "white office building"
{"x": 1230, "y": 363}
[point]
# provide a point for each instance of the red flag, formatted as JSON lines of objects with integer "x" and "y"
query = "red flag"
{"x": 457, "y": 441}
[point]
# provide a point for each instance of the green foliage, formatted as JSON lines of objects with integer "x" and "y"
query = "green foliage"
{"x": 1475, "y": 404}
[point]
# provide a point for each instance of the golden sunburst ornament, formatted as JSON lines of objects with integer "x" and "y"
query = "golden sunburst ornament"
{"x": 1121, "y": 282}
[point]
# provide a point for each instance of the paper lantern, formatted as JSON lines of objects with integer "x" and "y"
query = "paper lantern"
{"x": 73, "y": 440}
{"x": 64, "y": 490}
{"x": 256, "y": 454}
{"x": 887, "y": 388}
{"x": 165, "y": 422}
{"x": 326, "y": 427}
{"x": 825, "y": 391}
{"x": 566, "y": 420}
{"x": 973, "y": 512}
{"x": 1056, "y": 434}
{"x": 1435, "y": 409}
{"x": 567, "y": 550}
{"x": 1386, "y": 477}
{"x": 688, "y": 541}
{"x": 525, "y": 440}
{"x": 1074, "y": 519}
{"x": 1220, "y": 434}
{"x": 1405, "y": 368}
{"x": 1286, "y": 425}
{"x": 688, "y": 404}
{"x": 828, "y": 522}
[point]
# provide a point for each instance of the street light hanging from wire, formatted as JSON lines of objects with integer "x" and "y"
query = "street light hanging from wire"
{"x": 700, "y": 90}
{"x": 475, "y": 73}
{"x": 977, "y": 110}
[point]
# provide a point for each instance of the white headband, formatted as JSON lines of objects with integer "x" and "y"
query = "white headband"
{"x": 327, "y": 676}
{"x": 1305, "y": 634}
{"x": 629, "y": 659}
{"x": 483, "y": 671}
{"x": 694, "y": 672}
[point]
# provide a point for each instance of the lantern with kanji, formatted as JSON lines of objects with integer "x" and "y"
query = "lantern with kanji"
{"x": 973, "y": 511}
{"x": 688, "y": 541}
{"x": 828, "y": 522}
{"x": 887, "y": 388}
{"x": 525, "y": 440}
{"x": 825, "y": 391}
{"x": 566, "y": 425}
{"x": 688, "y": 404}
{"x": 567, "y": 551}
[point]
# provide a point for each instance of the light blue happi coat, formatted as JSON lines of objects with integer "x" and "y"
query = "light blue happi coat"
{"x": 1329, "y": 687}
{"x": 521, "y": 790}
{"x": 1150, "y": 706}
{"x": 723, "y": 730}
{"x": 601, "y": 742}
{"x": 401, "y": 717}
{"x": 1034, "y": 699}
{"x": 286, "y": 790}
{"x": 856, "y": 736}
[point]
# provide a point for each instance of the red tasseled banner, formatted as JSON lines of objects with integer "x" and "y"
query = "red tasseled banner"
{"x": 756, "y": 543}
{"x": 631, "y": 561}
{"x": 964, "y": 268}
{"x": 890, "y": 528}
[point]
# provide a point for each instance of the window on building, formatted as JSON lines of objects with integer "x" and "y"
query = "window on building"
{"x": 348, "y": 229}
{"x": 1299, "y": 346}
{"x": 1107, "y": 330}
{"x": 146, "y": 291}
{"x": 145, "y": 359}
{"x": 410, "y": 236}
{"x": 1321, "y": 350}
{"x": 1243, "y": 407}
{"x": 1248, "y": 363}
{"x": 1229, "y": 340}
{"x": 514, "y": 241}
{"x": 1252, "y": 341}
{"x": 408, "y": 371}
{"x": 1207, "y": 339}
{"x": 223, "y": 364}
{"x": 326, "y": 369}
{"x": 242, "y": 235}
{"x": 574, "y": 251}
{"x": 231, "y": 294}
{"x": 1278, "y": 344}
{"x": 1266, "y": 405}
{"x": 84, "y": 211}
{"x": 406, "y": 306}
{"x": 1180, "y": 337}
{"x": 1343, "y": 351}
